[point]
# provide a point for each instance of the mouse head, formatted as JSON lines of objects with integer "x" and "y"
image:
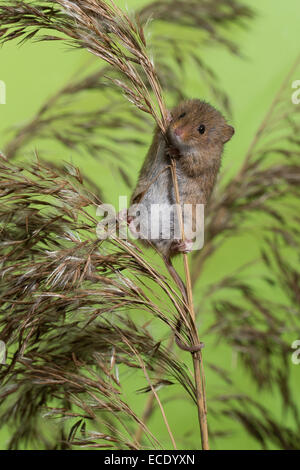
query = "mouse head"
{"x": 195, "y": 124}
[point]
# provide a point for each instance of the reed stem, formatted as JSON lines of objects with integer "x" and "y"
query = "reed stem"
{"x": 197, "y": 357}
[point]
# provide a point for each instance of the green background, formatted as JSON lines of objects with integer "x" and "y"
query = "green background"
{"x": 33, "y": 72}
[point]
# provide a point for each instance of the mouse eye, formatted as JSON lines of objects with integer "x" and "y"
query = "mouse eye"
{"x": 201, "y": 129}
{"x": 182, "y": 115}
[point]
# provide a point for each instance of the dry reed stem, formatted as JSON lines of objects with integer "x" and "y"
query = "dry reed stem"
{"x": 199, "y": 375}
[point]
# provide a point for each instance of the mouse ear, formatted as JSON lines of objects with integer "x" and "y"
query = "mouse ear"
{"x": 227, "y": 133}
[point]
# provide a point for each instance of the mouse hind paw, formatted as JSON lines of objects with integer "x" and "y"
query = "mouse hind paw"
{"x": 180, "y": 246}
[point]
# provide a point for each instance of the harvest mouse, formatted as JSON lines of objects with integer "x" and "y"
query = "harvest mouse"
{"x": 195, "y": 138}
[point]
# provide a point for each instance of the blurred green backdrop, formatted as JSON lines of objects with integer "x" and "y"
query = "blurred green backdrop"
{"x": 33, "y": 72}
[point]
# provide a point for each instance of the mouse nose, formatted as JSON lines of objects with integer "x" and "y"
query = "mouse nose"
{"x": 178, "y": 131}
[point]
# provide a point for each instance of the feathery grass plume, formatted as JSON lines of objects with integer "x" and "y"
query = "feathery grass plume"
{"x": 65, "y": 296}
{"x": 101, "y": 28}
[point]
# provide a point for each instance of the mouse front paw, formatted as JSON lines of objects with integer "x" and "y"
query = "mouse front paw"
{"x": 173, "y": 152}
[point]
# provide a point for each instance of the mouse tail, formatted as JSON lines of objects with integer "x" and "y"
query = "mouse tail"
{"x": 175, "y": 276}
